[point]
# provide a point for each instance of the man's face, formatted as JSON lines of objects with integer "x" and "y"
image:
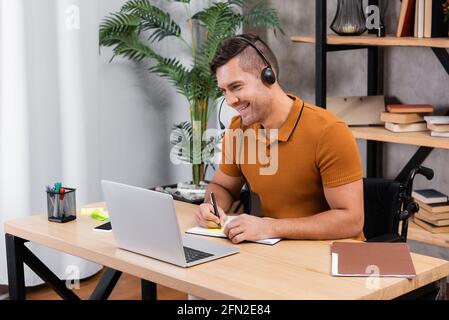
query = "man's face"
{"x": 244, "y": 92}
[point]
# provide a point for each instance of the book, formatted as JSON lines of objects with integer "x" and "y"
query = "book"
{"x": 429, "y": 196}
{"x": 429, "y": 227}
{"x": 429, "y": 216}
{"x": 368, "y": 259}
{"x": 430, "y": 219}
{"x": 428, "y": 18}
{"x": 409, "y": 108}
{"x": 410, "y": 127}
{"x": 415, "y": 29}
{"x": 406, "y": 19}
{"x": 401, "y": 118}
{"x": 419, "y": 18}
{"x": 437, "y": 119}
{"x": 438, "y": 127}
{"x": 435, "y": 26}
{"x": 438, "y": 207}
{"x": 439, "y": 134}
{"x": 219, "y": 233}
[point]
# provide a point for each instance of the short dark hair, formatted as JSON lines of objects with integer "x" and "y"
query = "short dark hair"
{"x": 250, "y": 61}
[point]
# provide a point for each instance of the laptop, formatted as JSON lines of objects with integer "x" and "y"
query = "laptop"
{"x": 145, "y": 222}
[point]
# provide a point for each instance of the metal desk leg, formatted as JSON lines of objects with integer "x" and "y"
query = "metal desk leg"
{"x": 442, "y": 293}
{"x": 106, "y": 285}
{"x": 17, "y": 255}
{"x": 14, "y": 257}
{"x": 149, "y": 290}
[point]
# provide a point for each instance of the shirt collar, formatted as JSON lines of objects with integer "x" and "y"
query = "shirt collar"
{"x": 287, "y": 128}
{"x": 289, "y": 125}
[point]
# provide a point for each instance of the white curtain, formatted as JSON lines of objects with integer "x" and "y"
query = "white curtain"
{"x": 48, "y": 114}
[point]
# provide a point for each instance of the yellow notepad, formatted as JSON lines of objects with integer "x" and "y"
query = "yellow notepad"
{"x": 219, "y": 233}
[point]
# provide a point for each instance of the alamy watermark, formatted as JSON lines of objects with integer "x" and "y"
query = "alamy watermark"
{"x": 373, "y": 17}
{"x": 72, "y": 17}
{"x": 73, "y": 277}
{"x": 250, "y": 146}
{"x": 373, "y": 280}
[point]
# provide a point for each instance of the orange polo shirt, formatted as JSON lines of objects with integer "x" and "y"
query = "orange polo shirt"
{"x": 313, "y": 149}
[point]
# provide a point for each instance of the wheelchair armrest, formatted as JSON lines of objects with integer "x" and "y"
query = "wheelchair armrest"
{"x": 390, "y": 237}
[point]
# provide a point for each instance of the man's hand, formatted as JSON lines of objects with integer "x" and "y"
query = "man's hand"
{"x": 206, "y": 218}
{"x": 250, "y": 228}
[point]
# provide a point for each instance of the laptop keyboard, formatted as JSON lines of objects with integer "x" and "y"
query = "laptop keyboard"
{"x": 193, "y": 255}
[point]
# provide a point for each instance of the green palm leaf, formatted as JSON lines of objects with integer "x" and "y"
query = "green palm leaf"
{"x": 177, "y": 74}
{"x": 260, "y": 16}
{"x": 153, "y": 18}
{"x": 134, "y": 49}
{"x": 117, "y": 26}
{"x": 221, "y": 22}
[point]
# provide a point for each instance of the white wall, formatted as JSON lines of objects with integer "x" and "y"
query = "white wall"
{"x": 137, "y": 110}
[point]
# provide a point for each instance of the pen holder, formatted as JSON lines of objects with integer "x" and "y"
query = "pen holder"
{"x": 61, "y": 207}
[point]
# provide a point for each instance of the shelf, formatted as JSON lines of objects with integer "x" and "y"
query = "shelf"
{"x": 413, "y": 138}
{"x": 373, "y": 40}
{"x": 417, "y": 233}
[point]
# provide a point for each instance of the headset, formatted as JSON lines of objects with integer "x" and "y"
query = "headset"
{"x": 268, "y": 76}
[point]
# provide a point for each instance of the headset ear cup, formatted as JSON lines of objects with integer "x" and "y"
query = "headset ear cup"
{"x": 268, "y": 76}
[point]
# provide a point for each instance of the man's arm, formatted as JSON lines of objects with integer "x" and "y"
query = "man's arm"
{"x": 227, "y": 190}
{"x": 344, "y": 220}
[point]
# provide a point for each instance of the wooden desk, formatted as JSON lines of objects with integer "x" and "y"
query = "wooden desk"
{"x": 288, "y": 270}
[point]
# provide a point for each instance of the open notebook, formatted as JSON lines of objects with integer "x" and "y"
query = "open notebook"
{"x": 220, "y": 234}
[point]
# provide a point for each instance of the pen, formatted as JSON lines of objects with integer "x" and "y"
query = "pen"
{"x": 61, "y": 193}
{"x": 214, "y": 203}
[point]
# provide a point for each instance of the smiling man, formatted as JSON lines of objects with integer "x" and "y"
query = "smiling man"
{"x": 316, "y": 191}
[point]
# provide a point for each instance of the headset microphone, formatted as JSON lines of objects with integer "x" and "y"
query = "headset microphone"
{"x": 222, "y": 126}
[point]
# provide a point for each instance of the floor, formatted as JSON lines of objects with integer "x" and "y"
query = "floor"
{"x": 127, "y": 288}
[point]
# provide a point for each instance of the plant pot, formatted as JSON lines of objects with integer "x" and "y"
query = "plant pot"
{"x": 185, "y": 192}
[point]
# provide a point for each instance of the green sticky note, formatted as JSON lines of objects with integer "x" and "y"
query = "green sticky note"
{"x": 100, "y": 215}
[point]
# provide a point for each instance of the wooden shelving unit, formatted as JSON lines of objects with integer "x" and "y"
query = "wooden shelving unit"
{"x": 372, "y": 40}
{"x": 375, "y": 136}
{"x": 412, "y": 138}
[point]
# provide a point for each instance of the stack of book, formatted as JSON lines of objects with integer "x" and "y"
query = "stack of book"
{"x": 422, "y": 19}
{"x": 406, "y": 117}
{"x": 433, "y": 214}
{"x": 439, "y": 125}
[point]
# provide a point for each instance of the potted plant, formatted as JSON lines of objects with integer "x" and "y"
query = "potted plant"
{"x": 124, "y": 31}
